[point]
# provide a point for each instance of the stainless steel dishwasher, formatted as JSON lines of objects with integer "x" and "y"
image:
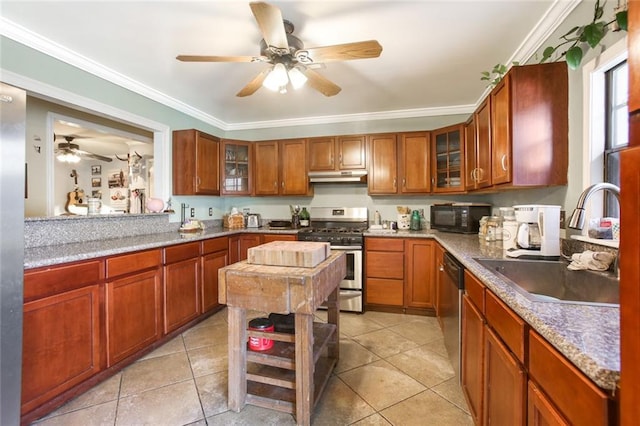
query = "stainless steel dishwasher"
{"x": 450, "y": 309}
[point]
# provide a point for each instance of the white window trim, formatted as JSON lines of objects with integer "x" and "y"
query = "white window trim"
{"x": 593, "y": 78}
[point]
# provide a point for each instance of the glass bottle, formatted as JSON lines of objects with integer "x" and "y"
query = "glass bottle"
{"x": 305, "y": 218}
{"x": 415, "y": 221}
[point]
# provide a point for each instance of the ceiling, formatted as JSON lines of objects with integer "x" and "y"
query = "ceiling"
{"x": 432, "y": 57}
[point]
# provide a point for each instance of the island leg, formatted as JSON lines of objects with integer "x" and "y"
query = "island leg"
{"x": 237, "y": 340}
{"x": 304, "y": 368}
{"x": 333, "y": 317}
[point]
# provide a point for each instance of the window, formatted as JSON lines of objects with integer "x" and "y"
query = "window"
{"x": 617, "y": 129}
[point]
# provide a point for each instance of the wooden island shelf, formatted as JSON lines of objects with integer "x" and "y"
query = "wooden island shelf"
{"x": 291, "y": 376}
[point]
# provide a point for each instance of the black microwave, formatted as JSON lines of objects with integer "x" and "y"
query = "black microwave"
{"x": 463, "y": 218}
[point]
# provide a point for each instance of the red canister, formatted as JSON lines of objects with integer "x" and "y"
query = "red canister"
{"x": 259, "y": 343}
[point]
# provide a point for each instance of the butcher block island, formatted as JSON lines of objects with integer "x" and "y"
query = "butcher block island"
{"x": 291, "y": 376}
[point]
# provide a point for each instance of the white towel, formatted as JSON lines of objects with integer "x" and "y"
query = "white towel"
{"x": 593, "y": 260}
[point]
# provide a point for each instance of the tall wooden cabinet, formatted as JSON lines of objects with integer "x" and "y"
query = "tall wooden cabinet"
{"x": 448, "y": 162}
{"x": 195, "y": 163}
{"x": 337, "y": 153}
{"x": 630, "y": 259}
{"x": 478, "y": 148}
{"x": 61, "y": 343}
{"x": 181, "y": 292}
{"x": 382, "y": 152}
{"x": 133, "y": 303}
{"x": 281, "y": 168}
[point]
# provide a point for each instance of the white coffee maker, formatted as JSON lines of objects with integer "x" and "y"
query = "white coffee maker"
{"x": 538, "y": 235}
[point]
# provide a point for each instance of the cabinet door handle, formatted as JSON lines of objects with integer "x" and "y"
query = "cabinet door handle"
{"x": 404, "y": 182}
{"x": 473, "y": 175}
{"x": 503, "y": 162}
{"x": 340, "y": 159}
{"x": 394, "y": 183}
{"x": 441, "y": 268}
{"x": 283, "y": 184}
{"x": 275, "y": 183}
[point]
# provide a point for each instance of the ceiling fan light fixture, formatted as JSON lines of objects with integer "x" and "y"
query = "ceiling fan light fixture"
{"x": 277, "y": 78}
{"x": 297, "y": 78}
{"x": 68, "y": 157}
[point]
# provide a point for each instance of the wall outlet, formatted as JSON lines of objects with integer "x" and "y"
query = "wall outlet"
{"x": 210, "y": 211}
{"x": 193, "y": 212}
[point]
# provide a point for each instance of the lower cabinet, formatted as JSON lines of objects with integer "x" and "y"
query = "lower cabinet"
{"x": 61, "y": 345}
{"x": 511, "y": 375}
{"x": 133, "y": 303}
{"x": 181, "y": 292}
{"x": 239, "y": 244}
{"x": 400, "y": 274}
{"x": 440, "y": 281}
{"x": 267, "y": 238}
{"x": 215, "y": 255}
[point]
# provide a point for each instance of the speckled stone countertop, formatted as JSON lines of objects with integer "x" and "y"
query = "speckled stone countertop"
{"x": 589, "y": 336}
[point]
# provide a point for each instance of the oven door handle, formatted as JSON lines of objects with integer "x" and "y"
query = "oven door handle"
{"x": 347, "y": 248}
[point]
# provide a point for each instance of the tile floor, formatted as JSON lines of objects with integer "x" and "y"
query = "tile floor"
{"x": 393, "y": 370}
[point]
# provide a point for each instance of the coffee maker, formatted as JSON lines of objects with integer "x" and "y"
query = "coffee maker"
{"x": 538, "y": 235}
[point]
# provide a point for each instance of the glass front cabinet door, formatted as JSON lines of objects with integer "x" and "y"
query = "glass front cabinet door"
{"x": 237, "y": 160}
{"x": 448, "y": 158}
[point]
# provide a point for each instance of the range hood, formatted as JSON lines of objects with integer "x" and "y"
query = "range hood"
{"x": 340, "y": 176}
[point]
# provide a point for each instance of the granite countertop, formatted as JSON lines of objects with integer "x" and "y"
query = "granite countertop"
{"x": 589, "y": 336}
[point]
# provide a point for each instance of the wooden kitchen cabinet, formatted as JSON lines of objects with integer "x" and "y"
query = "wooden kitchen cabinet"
{"x": 239, "y": 245}
{"x": 181, "y": 285}
{"x": 440, "y": 281}
{"x": 382, "y": 152}
{"x": 472, "y": 346}
{"x": 414, "y": 158}
{"x": 478, "y": 148}
{"x": 384, "y": 271}
{"x": 420, "y": 274}
{"x": 61, "y": 343}
{"x": 281, "y": 168}
{"x": 529, "y": 126}
{"x": 337, "y": 153}
{"x": 195, "y": 163}
{"x": 133, "y": 303}
{"x": 236, "y": 167}
{"x": 267, "y": 238}
{"x": 448, "y": 159}
{"x": 215, "y": 255}
{"x": 540, "y": 411}
{"x": 504, "y": 396}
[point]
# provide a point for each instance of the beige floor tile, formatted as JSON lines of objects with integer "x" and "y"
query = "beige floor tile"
{"x": 213, "y": 390}
{"x": 353, "y": 355}
{"x": 373, "y": 420}
{"x": 355, "y": 325}
{"x": 99, "y": 394}
{"x": 423, "y": 365}
{"x": 219, "y": 318}
{"x": 209, "y": 359}
{"x": 339, "y": 405}
{"x": 387, "y": 319}
{"x": 380, "y": 384}
{"x": 205, "y": 336}
{"x": 252, "y": 416}
{"x": 99, "y": 415}
{"x": 176, "y": 404}
{"x": 385, "y": 342}
{"x": 154, "y": 373}
{"x": 451, "y": 391}
{"x": 426, "y": 408}
{"x": 419, "y": 331}
{"x": 437, "y": 346}
{"x": 173, "y": 346}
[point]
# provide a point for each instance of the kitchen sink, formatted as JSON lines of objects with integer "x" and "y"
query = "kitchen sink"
{"x": 551, "y": 281}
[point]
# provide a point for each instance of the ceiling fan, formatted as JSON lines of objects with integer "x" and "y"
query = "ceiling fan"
{"x": 70, "y": 152}
{"x": 291, "y": 61}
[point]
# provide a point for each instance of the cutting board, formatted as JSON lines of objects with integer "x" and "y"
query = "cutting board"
{"x": 303, "y": 254}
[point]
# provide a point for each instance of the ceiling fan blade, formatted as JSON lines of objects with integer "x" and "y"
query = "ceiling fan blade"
{"x": 344, "y": 52}
{"x": 254, "y": 84}
{"x": 201, "y": 58}
{"x": 92, "y": 155}
{"x": 321, "y": 84}
{"x": 271, "y": 25}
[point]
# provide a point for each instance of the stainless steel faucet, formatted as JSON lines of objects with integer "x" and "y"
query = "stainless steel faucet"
{"x": 577, "y": 218}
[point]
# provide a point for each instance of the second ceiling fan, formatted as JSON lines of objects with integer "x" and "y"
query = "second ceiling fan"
{"x": 292, "y": 62}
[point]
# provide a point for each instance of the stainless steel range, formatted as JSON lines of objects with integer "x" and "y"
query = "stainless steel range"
{"x": 343, "y": 228}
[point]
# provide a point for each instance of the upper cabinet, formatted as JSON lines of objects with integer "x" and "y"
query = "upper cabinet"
{"x": 448, "y": 159}
{"x": 281, "y": 168}
{"x": 478, "y": 148}
{"x": 337, "y": 153}
{"x": 195, "y": 163}
{"x": 399, "y": 163}
{"x": 236, "y": 167}
{"x": 529, "y": 126}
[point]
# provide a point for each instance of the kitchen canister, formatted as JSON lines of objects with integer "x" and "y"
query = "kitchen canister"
{"x": 260, "y": 343}
{"x": 93, "y": 205}
{"x": 509, "y": 231}
{"x": 404, "y": 221}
